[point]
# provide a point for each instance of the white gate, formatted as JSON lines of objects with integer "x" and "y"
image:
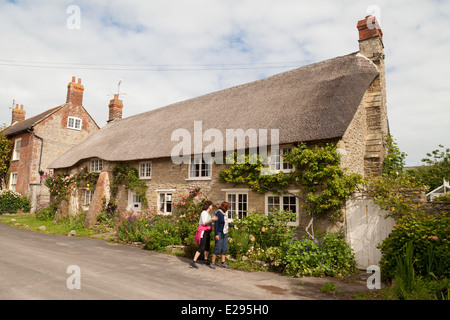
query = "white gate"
{"x": 366, "y": 227}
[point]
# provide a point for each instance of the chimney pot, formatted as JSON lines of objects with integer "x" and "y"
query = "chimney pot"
{"x": 115, "y": 109}
{"x": 18, "y": 114}
{"x": 369, "y": 28}
{"x": 75, "y": 92}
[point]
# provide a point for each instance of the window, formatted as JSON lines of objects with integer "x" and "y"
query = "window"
{"x": 145, "y": 170}
{"x": 16, "y": 151}
{"x": 13, "y": 181}
{"x": 74, "y": 123}
{"x": 277, "y": 162}
{"x": 96, "y": 165}
{"x": 199, "y": 169}
{"x": 88, "y": 194}
{"x": 239, "y": 205}
{"x": 283, "y": 203}
{"x": 165, "y": 202}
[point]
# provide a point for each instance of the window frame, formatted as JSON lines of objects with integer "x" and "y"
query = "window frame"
{"x": 11, "y": 179}
{"x": 281, "y": 203}
{"x": 145, "y": 176}
{"x": 239, "y": 213}
{"x": 277, "y": 163}
{"x": 16, "y": 150}
{"x": 200, "y": 169}
{"x": 88, "y": 194}
{"x": 74, "y": 126}
{"x": 96, "y": 167}
{"x": 165, "y": 193}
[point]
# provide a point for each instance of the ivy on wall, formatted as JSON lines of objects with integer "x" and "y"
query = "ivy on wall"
{"x": 128, "y": 176}
{"x": 323, "y": 185}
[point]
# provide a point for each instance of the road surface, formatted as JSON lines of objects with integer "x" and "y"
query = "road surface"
{"x": 35, "y": 265}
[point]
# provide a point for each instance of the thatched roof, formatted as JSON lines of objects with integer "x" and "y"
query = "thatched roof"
{"x": 310, "y": 103}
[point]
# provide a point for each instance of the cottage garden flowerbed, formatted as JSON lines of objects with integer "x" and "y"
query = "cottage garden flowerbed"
{"x": 261, "y": 243}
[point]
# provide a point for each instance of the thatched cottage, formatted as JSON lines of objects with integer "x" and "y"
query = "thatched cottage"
{"x": 340, "y": 100}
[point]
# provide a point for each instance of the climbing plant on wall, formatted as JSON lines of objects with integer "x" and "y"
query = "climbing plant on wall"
{"x": 323, "y": 185}
{"x": 129, "y": 176}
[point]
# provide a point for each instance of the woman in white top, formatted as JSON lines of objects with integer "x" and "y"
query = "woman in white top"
{"x": 205, "y": 242}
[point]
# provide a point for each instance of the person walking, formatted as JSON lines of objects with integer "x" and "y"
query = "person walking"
{"x": 203, "y": 234}
{"x": 221, "y": 226}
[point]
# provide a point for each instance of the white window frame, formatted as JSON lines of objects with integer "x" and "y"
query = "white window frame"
{"x": 96, "y": 165}
{"x": 17, "y": 147}
{"x": 204, "y": 173}
{"x": 280, "y": 204}
{"x": 166, "y": 194}
{"x": 145, "y": 170}
{"x": 74, "y": 123}
{"x": 277, "y": 163}
{"x": 88, "y": 195}
{"x": 13, "y": 181}
{"x": 239, "y": 195}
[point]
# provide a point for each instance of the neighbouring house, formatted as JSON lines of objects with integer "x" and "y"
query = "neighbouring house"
{"x": 39, "y": 140}
{"x": 340, "y": 100}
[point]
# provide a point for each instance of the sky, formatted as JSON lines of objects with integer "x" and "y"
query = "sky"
{"x": 166, "y": 51}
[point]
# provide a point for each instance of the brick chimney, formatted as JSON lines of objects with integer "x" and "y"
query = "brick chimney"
{"x": 371, "y": 46}
{"x": 18, "y": 114}
{"x": 75, "y": 92}
{"x": 115, "y": 109}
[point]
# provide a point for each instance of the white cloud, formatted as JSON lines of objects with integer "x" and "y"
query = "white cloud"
{"x": 183, "y": 34}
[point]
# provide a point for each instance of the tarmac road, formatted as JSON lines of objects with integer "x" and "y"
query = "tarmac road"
{"x": 35, "y": 265}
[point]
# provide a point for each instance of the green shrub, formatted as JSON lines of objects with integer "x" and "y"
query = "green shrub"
{"x": 326, "y": 256}
{"x": 47, "y": 213}
{"x": 11, "y": 202}
{"x": 428, "y": 236}
{"x": 265, "y": 231}
{"x": 160, "y": 233}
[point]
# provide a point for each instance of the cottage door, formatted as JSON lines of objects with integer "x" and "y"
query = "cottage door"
{"x": 134, "y": 202}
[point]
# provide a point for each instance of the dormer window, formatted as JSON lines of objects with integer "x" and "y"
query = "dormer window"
{"x": 74, "y": 123}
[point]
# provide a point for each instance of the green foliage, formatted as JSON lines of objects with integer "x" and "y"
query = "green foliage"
{"x": 394, "y": 161}
{"x": 6, "y": 147}
{"x": 429, "y": 237}
{"x": 266, "y": 231}
{"x": 436, "y": 168}
{"x": 326, "y": 256}
{"x": 46, "y": 214}
{"x": 161, "y": 232}
{"x": 390, "y": 193}
{"x": 11, "y": 202}
{"x": 128, "y": 176}
{"x": 330, "y": 287}
{"x": 270, "y": 240}
{"x": 188, "y": 212}
{"x": 324, "y": 185}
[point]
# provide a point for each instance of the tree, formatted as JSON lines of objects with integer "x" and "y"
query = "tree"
{"x": 5, "y": 159}
{"x": 436, "y": 168}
